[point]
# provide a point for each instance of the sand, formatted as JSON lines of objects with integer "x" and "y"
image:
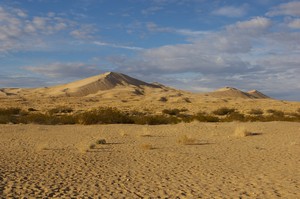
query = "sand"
{"x": 147, "y": 161}
{"x": 128, "y": 94}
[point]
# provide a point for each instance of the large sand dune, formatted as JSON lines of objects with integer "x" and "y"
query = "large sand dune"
{"x": 127, "y": 93}
{"x": 51, "y": 162}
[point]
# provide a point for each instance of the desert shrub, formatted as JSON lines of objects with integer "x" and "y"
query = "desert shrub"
{"x": 39, "y": 118}
{"x": 256, "y": 112}
{"x": 156, "y": 120}
{"x": 275, "y": 112}
{"x": 101, "y": 141}
{"x": 223, "y": 111}
{"x": 5, "y": 119}
{"x": 171, "y": 111}
{"x": 163, "y": 99}
{"x": 204, "y": 117}
{"x": 255, "y": 118}
{"x": 59, "y": 110}
{"x": 186, "y": 118}
{"x": 187, "y": 100}
{"x": 32, "y": 109}
{"x": 66, "y": 119}
{"x": 9, "y": 111}
{"x": 234, "y": 116}
{"x": 92, "y": 146}
{"x": 104, "y": 116}
{"x": 185, "y": 140}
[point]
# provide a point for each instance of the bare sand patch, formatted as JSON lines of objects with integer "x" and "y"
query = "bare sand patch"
{"x": 56, "y": 161}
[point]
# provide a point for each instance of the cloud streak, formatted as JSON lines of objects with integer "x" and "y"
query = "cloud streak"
{"x": 230, "y": 11}
{"x": 62, "y": 70}
{"x": 98, "y": 43}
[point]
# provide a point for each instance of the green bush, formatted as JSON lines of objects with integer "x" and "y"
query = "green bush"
{"x": 223, "y": 111}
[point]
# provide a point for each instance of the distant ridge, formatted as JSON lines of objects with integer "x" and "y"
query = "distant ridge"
{"x": 257, "y": 94}
{"x": 236, "y": 93}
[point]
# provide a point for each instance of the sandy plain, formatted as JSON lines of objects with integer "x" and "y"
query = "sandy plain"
{"x": 38, "y": 161}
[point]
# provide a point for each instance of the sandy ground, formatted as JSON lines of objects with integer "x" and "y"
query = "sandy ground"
{"x": 52, "y": 162}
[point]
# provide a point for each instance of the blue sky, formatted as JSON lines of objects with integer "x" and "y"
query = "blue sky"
{"x": 196, "y": 45}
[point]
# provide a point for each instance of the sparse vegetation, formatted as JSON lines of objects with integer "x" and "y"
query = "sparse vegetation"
{"x": 92, "y": 146}
{"x": 163, "y": 99}
{"x": 256, "y": 112}
{"x": 104, "y": 116}
{"x": 101, "y": 141}
{"x": 171, "y": 111}
{"x": 60, "y": 110}
{"x": 115, "y": 116}
{"x": 204, "y": 117}
{"x": 223, "y": 111}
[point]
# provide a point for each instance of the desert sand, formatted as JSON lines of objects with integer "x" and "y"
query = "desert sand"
{"x": 39, "y": 161}
{"x": 128, "y": 94}
{"x": 186, "y": 160}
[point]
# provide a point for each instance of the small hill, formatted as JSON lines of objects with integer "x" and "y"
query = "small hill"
{"x": 231, "y": 92}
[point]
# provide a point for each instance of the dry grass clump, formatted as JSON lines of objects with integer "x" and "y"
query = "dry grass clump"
{"x": 147, "y": 146}
{"x": 185, "y": 140}
{"x": 92, "y": 146}
{"x": 101, "y": 141}
{"x": 241, "y": 131}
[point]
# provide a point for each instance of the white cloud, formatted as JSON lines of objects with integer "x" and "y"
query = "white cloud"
{"x": 231, "y": 11}
{"x": 19, "y": 31}
{"x": 290, "y": 9}
{"x": 295, "y": 24}
{"x": 62, "y": 70}
{"x": 153, "y": 27}
{"x": 255, "y": 26}
{"x": 247, "y": 55}
{"x": 83, "y": 32}
{"x": 117, "y": 45}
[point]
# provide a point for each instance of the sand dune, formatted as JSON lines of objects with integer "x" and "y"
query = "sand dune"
{"x": 257, "y": 94}
{"x": 95, "y": 84}
{"x": 148, "y": 162}
{"x": 236, "y": 93}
